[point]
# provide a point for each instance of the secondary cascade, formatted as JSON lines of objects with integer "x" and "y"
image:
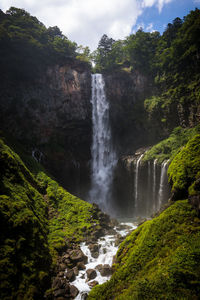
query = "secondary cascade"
{"x": 103, "y": 154}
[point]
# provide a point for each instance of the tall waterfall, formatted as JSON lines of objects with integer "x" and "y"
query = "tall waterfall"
{"x": 103, "y": 155}
{"x": 136, "y": 181}
{"x": 163, "y": 178}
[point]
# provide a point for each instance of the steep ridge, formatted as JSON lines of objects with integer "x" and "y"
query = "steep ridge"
{"x": 41, "y": 228}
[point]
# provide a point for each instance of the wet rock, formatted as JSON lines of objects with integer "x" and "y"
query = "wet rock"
{"x": 119, "y": 239}
{"x": 105, "y": 270}
{"x": 76, "y": 271}
{"x": 60, "y": 274}
{"x": 70, "y": 275}
{"x": 59, "y": 283}
{"x": 66, "y": 259}
{"x": 91, "y": 274}
{"x": 78, "y": 256}
{"x": 104, "y": 250}
{"x": 94, "y": 249}
{"x": 62, "y": 267}
{"x": 93, "y": 283}
{"x": 73, "y": 291}
{"x": 84, "y": 296}
{"x": 111, "y": 231}
{"x": 80, "y": 265}
{"x": 60, "y": 292}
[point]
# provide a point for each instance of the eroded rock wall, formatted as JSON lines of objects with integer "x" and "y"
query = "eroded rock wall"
{"x": 53, "y": 116}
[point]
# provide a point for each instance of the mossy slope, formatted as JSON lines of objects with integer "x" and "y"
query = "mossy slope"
{"x": 38, "y": 220}
{"x": 168, "y": 148}
{"x": 184, "y": 169}
{"x": 159, "y": 260}
{"x": 24, "y": 255}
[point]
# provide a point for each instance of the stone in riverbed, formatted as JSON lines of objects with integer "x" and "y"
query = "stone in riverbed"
{"x": 73, "y": 291}
{"x": 91, "y": 274}
{"x": 76, "y": 271}
{"x": 94, "y": 249}
{"x": 80, "y": 265}
{"x": 70, "y": 275}
{"x": 93, "y": 283}
{"x": 77, "y": 255}
{"x": 105, "y": 270}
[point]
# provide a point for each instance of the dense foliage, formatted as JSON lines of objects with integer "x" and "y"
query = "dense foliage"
{"x": 39, "y": 219}
{"x": 170, "y": 62}
{"x": 185, "y": 169}
{"x": 168, "y": 148}
{"x": 159, "y": 260}
{"x": 27, "y": 46}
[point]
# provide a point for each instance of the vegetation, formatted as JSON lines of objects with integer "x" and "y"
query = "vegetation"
{"x": 39, "y": 219}
{"x": 159, "y": 260}
{"x": 168, "y": 148}
{"x": 185, "y": 169}
{"x": 170, "y": 62}
{"x": 24, "y": 255}
{"x": 27, "y": 46}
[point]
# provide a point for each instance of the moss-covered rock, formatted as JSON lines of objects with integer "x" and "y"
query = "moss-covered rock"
{"x": 184, "y": 169}
{"x": 159, "y": 260}
{"x": 168, "y": 148}
{"x": 24, "y": 256}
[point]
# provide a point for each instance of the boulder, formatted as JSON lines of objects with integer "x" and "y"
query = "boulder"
{"x": 70, "y": 275}
{"x": 76, "y": 271}
{"x": 78, "y": 256}
{"x": 59, "y": 293}
{"x": 105, "y": 270}
{"x": 119, "y": 239}
{"x": 93, "y": 283}
{"x": 94, "y": 249}
{"x": 73, "y": 291}
{"x": 91, "y": 274}
{"x": 59, "y": 283}
{"x": 80, "y": 265}
{"x": 62, "y": 267}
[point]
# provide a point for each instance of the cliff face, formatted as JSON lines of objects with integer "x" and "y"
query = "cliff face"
{"x": 52, "y": 116}
{"x": 126, "y": 93}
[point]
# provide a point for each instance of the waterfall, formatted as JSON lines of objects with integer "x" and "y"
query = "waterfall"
{"x": 148, "y": 189}
{"x": 103, "y": 155}
{"x": 136, "y": 182}
{"x": 163, "y": 177}
{"x": 154, "y": 184}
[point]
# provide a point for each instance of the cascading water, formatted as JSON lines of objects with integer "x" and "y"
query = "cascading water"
{"x": 103, "y": 155}
{"x": 136, "y": 182}
{"x": 154, "y": 184}
{"x": 163, "y": 178}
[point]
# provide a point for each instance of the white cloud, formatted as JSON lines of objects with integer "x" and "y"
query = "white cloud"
{"x": 150, "y": 27}
{"x": 85, "y": 21}
{"x": 158, "y": 3}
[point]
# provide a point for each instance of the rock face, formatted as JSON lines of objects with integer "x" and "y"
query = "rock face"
{"x": 52, "y": 117}
{"x": 126, "y": 93}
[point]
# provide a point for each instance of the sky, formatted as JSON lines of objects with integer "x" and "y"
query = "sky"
{"x": 85, "y": 21}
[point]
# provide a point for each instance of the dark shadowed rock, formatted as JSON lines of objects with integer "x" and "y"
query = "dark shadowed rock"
{"x": 73, "y": 291}
{"x": 91, "y": 274}
{"x": 70, "y": 275}
{"x": 94, "y": 249}
{"x": 76, "y": 271}
{"x": 78, "y": 256}
{"x": 105, "y": 270}
{"x": 80, "y": 265}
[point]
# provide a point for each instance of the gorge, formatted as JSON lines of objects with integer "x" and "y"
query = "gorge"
{"x": 123, "y": 136}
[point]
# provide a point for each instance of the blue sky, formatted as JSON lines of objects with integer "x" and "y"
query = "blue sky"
{"x": 152, "y": 19}
{"x": 85, "y": 21}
